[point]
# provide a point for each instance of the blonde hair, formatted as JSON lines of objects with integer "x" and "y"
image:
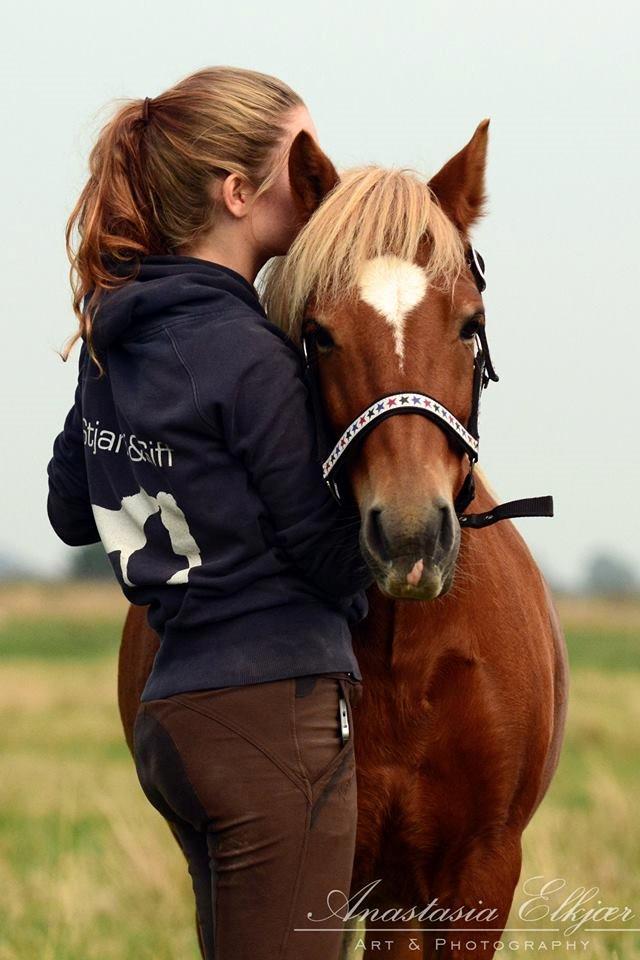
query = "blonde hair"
{"x": 372, "y": 211}
{"x": 151, "y": 168}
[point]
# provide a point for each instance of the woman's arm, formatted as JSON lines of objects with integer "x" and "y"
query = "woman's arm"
{"x": 269, "y": 425}
{"x": 68, "y": 503}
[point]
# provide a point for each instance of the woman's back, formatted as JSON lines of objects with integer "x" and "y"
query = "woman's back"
{"x": 204, "y": 484}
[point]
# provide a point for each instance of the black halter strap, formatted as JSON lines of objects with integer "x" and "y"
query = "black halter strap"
{"x": 335, "y": 455}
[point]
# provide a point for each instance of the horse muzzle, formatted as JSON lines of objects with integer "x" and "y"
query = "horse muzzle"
{"x": 412, "y": 553}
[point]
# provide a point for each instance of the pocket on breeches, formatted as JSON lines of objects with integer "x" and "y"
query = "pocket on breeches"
{"x": 319, "y": 725}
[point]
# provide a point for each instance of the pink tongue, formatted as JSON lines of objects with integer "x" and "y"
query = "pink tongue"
{"x": 415, "y": 574}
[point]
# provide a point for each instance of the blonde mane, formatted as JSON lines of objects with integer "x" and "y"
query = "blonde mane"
{"x": 372, "y": 211}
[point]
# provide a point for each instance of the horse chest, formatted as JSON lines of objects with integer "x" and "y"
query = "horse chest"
{"x": 426, "y": 780}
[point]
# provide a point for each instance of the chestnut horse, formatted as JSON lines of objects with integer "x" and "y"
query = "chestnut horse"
{"x": 459, "y": 728}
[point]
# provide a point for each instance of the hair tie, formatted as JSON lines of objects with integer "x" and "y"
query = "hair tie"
{"x": 145, "y": 109}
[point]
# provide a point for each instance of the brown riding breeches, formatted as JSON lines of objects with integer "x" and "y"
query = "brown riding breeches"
{"x": 260, "y": 791}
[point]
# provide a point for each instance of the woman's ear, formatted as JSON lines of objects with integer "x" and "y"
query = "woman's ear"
{"x": 311, "y": 174}
{"x": 459, "y": 185}
{"x": 236, "y": 194}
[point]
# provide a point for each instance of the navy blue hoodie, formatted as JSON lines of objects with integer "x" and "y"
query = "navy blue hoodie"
{"x": 194, "y": 461}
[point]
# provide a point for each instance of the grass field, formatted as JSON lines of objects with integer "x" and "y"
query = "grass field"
{"x": 89, "y": 871}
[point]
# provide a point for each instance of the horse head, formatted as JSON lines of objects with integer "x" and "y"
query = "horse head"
{"x": 379, "y": 275}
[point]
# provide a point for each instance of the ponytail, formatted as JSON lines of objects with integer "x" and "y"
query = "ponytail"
{"x": 150, "y": 171}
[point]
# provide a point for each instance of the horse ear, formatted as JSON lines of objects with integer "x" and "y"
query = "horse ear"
{"x": 311, "y": 174}
{"x": 459, "y": 185}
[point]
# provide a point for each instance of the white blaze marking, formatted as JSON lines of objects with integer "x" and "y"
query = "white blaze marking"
{"x": 393, "y": 287}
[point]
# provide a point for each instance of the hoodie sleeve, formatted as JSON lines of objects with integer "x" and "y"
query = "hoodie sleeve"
{"x": 68, "y": 503}
{"x": 269, "y": 425}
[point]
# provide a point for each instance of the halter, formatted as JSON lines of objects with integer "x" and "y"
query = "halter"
{"x": 464, "y": 436}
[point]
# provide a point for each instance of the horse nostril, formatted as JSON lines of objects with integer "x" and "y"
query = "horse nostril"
{"x": 447, "y": 528}
{"x": 378, "y": 542}
{"x": 439, "y": 533}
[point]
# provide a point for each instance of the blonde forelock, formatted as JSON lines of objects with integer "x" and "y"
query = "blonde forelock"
{"x": 371, "y": 212}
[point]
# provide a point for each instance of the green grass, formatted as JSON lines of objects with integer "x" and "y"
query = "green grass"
{"x": 59, "y": 639}
{"x": 607, "y": 650}
{"x": 87, "y": 867}
{"x": 88, "y": 870}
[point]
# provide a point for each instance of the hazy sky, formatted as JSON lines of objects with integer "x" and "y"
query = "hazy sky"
{"x": 400, "y": 84}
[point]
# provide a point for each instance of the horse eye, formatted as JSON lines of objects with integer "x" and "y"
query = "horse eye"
{"x": 323, "y": 338}
{"x": 470, "y": 329}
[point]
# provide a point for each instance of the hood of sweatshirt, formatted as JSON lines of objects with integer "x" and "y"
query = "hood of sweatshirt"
{"x": 166, "y": 287}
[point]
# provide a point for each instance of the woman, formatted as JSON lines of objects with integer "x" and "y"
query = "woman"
{"x": 189, "y": 453}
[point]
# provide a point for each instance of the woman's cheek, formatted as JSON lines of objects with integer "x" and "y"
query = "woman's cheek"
{"x": 276, "y": 225}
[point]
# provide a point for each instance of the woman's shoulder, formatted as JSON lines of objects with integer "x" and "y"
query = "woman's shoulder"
{"x": 239, "y": 336}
